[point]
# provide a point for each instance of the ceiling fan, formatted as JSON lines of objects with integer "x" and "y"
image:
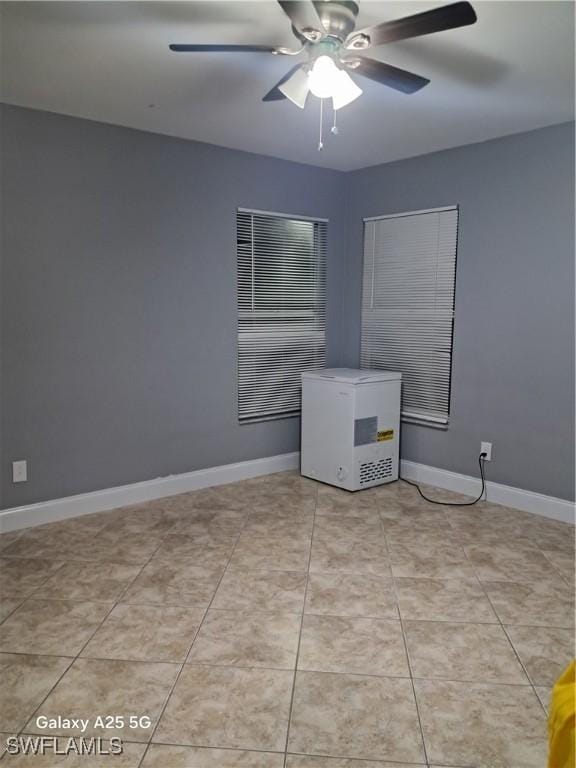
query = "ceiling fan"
{"x": 325, "y": 31}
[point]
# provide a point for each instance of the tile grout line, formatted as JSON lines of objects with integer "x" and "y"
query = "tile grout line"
{"x": 332, "y": 673}
{"x": 369, "y": 761}
{"x": 183, "y": 665}
{"x": 405, "y": 641}
{"x": 558, "y": 571}
{"x": 501, "y": 624}
{"x": 291, "y": 706}
{"x": 516, "y": 654}
{"x": 19, "y": 605}
{"x": 199, "y": 607}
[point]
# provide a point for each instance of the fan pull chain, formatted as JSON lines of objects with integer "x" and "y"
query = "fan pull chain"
{"x": 334, "y": 130}
{"x": 320, "y": 142}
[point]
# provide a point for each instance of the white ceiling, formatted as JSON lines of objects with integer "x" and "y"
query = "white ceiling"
{"x": 109, "y": 61}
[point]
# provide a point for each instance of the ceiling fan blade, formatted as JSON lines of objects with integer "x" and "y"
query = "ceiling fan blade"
{"x": 275, "y": 94}
{"x": 386, "y": 74}
{"x": 185, "y": 48}
{"x": 447, "y": 17}
{"x": 304, "y": 17}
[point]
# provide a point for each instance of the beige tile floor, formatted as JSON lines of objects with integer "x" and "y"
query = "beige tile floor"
{"x": 278, "y": 622}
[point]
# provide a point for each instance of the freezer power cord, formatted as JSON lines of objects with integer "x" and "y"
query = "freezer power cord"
{"x": 481, "y": 459}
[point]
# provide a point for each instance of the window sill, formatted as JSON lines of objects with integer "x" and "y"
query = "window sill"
{"x": 273, "y": 417}
{"x": 443, "y": 425}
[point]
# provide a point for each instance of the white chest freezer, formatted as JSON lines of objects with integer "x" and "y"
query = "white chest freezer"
{"x": 350, "y": 427}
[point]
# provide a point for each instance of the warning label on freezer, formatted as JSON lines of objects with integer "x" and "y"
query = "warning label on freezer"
{"x": 385, "y": 434}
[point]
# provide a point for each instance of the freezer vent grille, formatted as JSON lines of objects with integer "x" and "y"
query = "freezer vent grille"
{"x": 371, "y": 471}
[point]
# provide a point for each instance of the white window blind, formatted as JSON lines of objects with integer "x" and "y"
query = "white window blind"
{"x": 281, "y": 310}
{"x": 408, "y": 306}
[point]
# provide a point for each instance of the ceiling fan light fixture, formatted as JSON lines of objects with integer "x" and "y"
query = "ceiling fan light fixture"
{"x": 346, "y": 92}
{"x": 327, "y": 81}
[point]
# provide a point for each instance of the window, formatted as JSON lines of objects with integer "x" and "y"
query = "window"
{"x": 281, "y": 310}
{"x": 408, "y": 306}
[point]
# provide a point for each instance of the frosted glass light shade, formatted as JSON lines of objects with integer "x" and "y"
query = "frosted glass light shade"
{"x": 346, "y": 91}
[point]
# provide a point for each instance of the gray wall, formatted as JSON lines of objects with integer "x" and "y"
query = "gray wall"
{"x": 119, "y": 280}
{"x": 513, "y": 362}
{"x": 118, "y": 300}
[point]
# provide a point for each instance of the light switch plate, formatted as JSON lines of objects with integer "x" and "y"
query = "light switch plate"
{"x": 19, "y": 471}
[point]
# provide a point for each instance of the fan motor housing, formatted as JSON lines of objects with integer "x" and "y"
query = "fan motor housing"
{"x": 338, "y": 17}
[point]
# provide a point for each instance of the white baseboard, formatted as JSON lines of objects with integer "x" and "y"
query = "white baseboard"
{"x": 110, "y": 498}
{"x": 528, "y": 501}
{"x": 99, "y": 501}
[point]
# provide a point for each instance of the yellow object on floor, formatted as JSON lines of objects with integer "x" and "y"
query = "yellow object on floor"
{"x": 561, "y": 721}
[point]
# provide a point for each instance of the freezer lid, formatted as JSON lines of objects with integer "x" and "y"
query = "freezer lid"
{"x": 352, "y": 375}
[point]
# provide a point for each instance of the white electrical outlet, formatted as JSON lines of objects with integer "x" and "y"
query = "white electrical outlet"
{"x": 487, "y": 449}
{"x": 19, "y": 471}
